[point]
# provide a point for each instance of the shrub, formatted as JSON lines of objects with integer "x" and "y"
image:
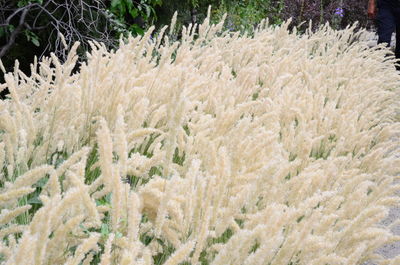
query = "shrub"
{"x": 217, "y": 149}
{"x": 246, "y": 14}
{"x": 338, "y": 13}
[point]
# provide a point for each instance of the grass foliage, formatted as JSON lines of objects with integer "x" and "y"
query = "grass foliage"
{"x": 221, "y": 148}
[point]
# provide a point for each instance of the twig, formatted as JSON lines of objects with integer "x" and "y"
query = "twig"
{"x": 14, "y": 34}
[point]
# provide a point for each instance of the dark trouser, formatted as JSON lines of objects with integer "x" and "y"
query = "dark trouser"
{"x": 389, "y": 21}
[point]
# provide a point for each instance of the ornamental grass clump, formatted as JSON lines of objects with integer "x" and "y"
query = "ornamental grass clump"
{"x": 267, "y": 148}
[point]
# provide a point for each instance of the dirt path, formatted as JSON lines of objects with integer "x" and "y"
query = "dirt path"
{"x": 392, "y": 221}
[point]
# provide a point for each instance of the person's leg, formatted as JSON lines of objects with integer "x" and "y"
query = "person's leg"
{"x": 386, "y": 23}
{"x": 396, "y": 14}
{"x": 397, "y": 17}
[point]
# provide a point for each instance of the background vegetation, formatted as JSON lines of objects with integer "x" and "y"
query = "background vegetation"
{"x": 31, "y": 28}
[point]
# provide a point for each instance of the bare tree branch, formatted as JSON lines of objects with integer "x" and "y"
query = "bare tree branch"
{"x": 15, "y": 32}
{"x": 78, "y": 20}
{"x": 22, "y": 9}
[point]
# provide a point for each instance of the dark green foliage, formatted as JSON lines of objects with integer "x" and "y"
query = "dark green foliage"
{"x": 245, "y": 15}
{"x": 91, "y": 174}
{"x": 300, "y": 218}
{"x": 223, "y": 238}
{"x": 33, "y": 200}
{"x": 143, "y": 148}
{"x": 167, "y": 250}
{"x": 255, "y": 247}
{"x": 203, "y": 258}
{"x": 134, "y": 16}
{"x": 178, "y": 159}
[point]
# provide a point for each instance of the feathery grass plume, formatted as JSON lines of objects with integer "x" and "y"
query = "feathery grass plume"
{"x": 88, "y": 259}
{"x": 173, "y": 22}
{"x": 105, "y": 150}
{"x": 121, "y": 145}
{"x": 180, "y": 254}
{"x": 203, "y": 230}
{"x": 13, "y": 194}
{"x": 134, "y": 209}
{"x": 86, "y": 200}
{"x": 111, "y": 174}
{"x": 60, "y": 239}
{"x": 106, "y": 257}
{"x": 167, "y": 191}
{"x": 5, "y": 251}
{"x": 31, "y": 176}
{"x": 273, "y": 147}
{"x": 87, "y": 245}
{"x": 7, "y": 215}
{"x": 12, "y": 229}
{"x": 2, "y": 160}
{"x": 26, "y": 245}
